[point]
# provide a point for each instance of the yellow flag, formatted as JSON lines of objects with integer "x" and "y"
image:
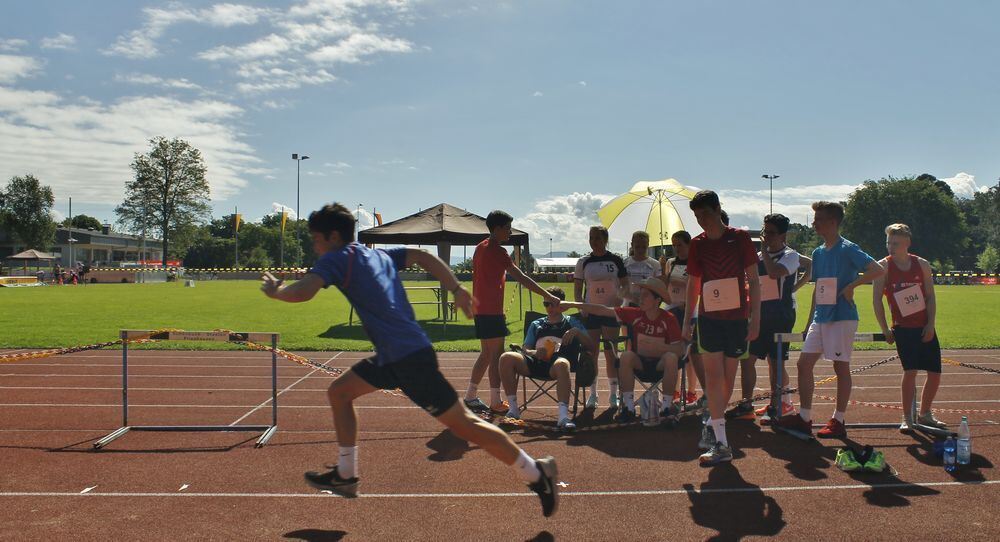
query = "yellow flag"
{"x": 238, "y": 219}
{"x": 284, "y": 217}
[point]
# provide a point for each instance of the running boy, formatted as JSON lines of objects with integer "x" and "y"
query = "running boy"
{"x": 403, "y": 356}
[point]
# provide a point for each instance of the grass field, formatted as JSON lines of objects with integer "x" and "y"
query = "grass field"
{"x": 968, "y": 316}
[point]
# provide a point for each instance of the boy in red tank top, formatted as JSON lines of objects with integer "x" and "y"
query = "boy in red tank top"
{"x": 909, "y": 288}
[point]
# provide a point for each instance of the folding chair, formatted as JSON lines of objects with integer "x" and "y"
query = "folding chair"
{"x": 545, "y": 386}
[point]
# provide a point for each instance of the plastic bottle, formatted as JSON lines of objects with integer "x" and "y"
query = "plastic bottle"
{"x": 949, "y": 454}
{"x": 963, "y": 453}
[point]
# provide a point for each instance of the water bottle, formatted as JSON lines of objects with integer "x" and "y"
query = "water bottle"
{"x": 964, "y": 450}
{"x": 949, "y": 454}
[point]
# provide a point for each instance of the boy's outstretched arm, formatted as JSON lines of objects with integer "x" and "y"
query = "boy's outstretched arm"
{"x": 296, "y": 292}
{"x": 440, "y": 271}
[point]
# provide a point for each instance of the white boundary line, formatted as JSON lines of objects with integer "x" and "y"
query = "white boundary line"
{"x": 623, "y": 493}
{"x": 258, "y": 407}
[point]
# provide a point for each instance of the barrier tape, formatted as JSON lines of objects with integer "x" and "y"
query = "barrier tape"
{"x": 42, "y": 354}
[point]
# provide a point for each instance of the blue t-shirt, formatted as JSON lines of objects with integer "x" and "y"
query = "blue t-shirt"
{"x": 543, "y": 328}
{"x": 368, "y": 279}
{"x": 843, "y": 261}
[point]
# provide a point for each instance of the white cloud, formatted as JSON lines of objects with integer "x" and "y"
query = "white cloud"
{"x": 153, "y": 80}
{"x": 964, "y": 185}
{"x": 355, "y": 47}
{"x": 276, "y": 209}
{"x": 12, "y": 44}
{"x": 56, "y": 215}
{"x": 537, "y": 94}
{"x": 567, "y": 220}
{"x": 748, "y": 207}
{"x": 61, "y": 41}
{"x": 582, "y": 83}
{"x": 338, "y": 165}
{"x": 141, "y": 43}
{"x": 13, "y": 67}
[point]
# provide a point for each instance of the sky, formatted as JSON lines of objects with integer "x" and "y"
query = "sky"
{"x": 543, "y": 109}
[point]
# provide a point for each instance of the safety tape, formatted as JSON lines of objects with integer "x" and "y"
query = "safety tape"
{"x": 42, "y": 354}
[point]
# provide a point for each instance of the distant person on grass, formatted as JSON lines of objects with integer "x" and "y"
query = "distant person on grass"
{"x": 909, "y": 287}
{"x": 833, "y": 318}
{"x": 404, "y": 357}
{"x": 552, "y": 344}
{"x": 490, "y": 265}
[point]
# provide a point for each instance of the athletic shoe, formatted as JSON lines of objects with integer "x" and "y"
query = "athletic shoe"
{"x": 614, "y": 402}
{"x": 591, "y": 401}
{"x": 476, "y": 405}
{"x": 794, "y": 422}
{"x": 846, "y": 461}
{"x": 672, "y": 410}
{"x": 625, "y": 416}
{"x": 876, "y": 463}
{"x": 765, "y": 419}
{"x": 692, "y": 397}
{"x": 677, "y": 396}
{"x": 718, "y": 453}
{"x": 546, "y": 487}
{"x": 707, "y": 438}
{"x": 566, "y": 425}
{"x": 906, "y": 426}
{"x": 834, "y": 429}
{"x": 331, "y": 481}
{"x": 742, "y": 411}
{"x": 500, "y": 408}
{"x": 929, "y": 420}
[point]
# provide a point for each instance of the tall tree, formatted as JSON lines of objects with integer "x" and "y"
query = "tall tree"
{"x": 168, "y": 194}
{"x": 83, "y": 222}
{"x": 24, "y": 211}
{"x": 939, "y": 230}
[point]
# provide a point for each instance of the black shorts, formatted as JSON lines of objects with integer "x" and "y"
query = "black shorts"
{"x": 678, "y": 313}
{"x": 649, "y": 372}
{"x": 726, "y": 336}
{"x": 538, "y": 369}
{"x": 914, "y": 353}
{"x": 592, "y": 321}
{"x": 417, "y": 375}
{"x": 491, "y": 326}
{"x": 764, "y": 345}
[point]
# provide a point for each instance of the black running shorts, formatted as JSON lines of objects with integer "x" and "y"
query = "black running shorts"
{"x": 417, "y": 375}
{"x": 726, "y": 336}
{"x": 491, "y": 326}
{"x": 914, "y": 353}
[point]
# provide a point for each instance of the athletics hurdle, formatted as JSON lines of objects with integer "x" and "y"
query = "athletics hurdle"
{"x": 217, "y": 336}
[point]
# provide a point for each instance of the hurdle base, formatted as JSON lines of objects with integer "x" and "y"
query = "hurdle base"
{"x": 268, "y": 431}
{"x": 793, "y": 433}
{"x": 934, "y": 431}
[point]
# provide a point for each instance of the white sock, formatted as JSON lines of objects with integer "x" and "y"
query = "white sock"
{"x": 347, "y": 462}
{"x": 494, "y": 396}
{"x": 806, "y": 414}
{"x": 527, "y": 468}
{"x": 788, "y": 398}
{"x": 563, "y": 411}
{"x": 512, "y": 401}
{"x": 593, "y": 388}
{"x": 719, "y": 427}
{"x": 628, "y": 398}
{"x": 470, "y": 394}
{"x": 839, "y": 416}
{"x": 613, "y": 384}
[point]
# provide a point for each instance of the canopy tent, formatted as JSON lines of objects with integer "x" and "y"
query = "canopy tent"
{"x": 443, "y": 225}
{"x": 31, "y": 255}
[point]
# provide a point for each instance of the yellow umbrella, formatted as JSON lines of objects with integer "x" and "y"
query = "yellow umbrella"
{"x": 659, "y": 208}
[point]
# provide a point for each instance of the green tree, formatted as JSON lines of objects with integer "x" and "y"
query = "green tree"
{"x": 169, "y": 192}
{"x": 573, "y": 254}
{"x": 939, "y": 230}
{"x": 83, "y": 222}
{"x": 802, "y": 238}
{"x": 989, "y": 260}
{"x": 24, "y": 212}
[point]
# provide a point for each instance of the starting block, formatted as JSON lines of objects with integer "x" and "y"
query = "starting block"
{"x": 217, "y": 336}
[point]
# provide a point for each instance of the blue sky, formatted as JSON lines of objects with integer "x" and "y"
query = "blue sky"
{"x": 545, "y": 109}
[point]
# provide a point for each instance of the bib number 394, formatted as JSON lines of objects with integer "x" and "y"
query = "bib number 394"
{"x": 826, "y": 291}
{"x": 910, "y": 300}
{"x": 721, "y": 294}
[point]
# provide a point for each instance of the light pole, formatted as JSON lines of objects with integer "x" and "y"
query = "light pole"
{"x": 298, "y": 162}
{"x": 550, "y": 247}
{"x": 771, "y": 177}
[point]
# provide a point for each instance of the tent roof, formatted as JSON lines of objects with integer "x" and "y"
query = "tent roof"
{"x": 442, "y": 223}
{"x": 32, "y": 254}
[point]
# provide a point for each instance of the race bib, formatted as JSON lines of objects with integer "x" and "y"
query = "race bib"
{"x": 910, "y": 300}
{"x": 678, "y": 294}
{"x": 826, "y": 291}
{"x": 768, "y": 289}
{"x": 721, "y": 294}
{"x": 603, "y": 292}
{"x": 546, "y": 347}
{"x": 650, "y": 346}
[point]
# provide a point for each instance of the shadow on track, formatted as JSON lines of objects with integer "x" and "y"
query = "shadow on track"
{"x": 745, "y": 512}
{"x": 316, "y": 535}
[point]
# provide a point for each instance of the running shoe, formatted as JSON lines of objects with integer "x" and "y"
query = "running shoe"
{"x": 707, "y": 438}
{"x": 692, "y": 397}
{"x": 906, "y": 427}
{"x": 765, "y": 419}
{"x": 476, "y": 405}
{"x": 566, "y": 425}
{"x": 331, "y": 481}
{"x": 876, "y": 463}
{"x": 718, "y": 453}
{"x": 591, "y": 401}
{"x": 614, "y": 402}
{"x": 625, "y": 416}
{"x": 834, "y": 429}
{"x": 500, "y": 408}
{"x": 742, "y": 411}
{"x": 929, "y": 420}
{"x": 846, "y": 461}
{"x": 794, "y": 422}
{"x": 547, "y": 486}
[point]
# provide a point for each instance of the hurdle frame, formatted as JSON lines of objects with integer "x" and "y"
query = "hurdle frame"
{"x": 127, "y": 335}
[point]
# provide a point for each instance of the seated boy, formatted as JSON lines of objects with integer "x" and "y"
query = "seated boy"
{"x": 657, "y": 348}
{"x": 551, "y": 345}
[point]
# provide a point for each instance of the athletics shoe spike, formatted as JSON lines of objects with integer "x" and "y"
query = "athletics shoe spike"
{"x": 476, "y": 405}
{"x": 547, "y": 486}
{"x": 834, "y": 429}
{"x": 331, "y": 481}
{"x": 846, "y": 460}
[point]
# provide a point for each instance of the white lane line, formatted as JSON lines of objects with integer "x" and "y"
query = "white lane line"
{"x": 290, "y": 386}
{"x": 622, "y": 493}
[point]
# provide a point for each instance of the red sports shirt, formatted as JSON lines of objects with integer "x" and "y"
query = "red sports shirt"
{"x": 663, "y": 328}
{"x": 897, "y": 280}
{"x": 722, "y": 258}
{"x": 489, "y": 273}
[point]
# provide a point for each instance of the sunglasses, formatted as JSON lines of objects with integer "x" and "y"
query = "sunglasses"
{"x": 547, "y": 304}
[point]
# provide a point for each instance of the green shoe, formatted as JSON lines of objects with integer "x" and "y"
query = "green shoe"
{"x": 876, "y": 463}
{"x": 846, "y": 461}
